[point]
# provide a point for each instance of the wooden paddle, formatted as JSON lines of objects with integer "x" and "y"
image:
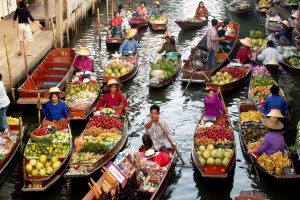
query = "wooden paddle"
{"x": 9, "y": 71}
{"x": 226, "y": 111}
{"x": 169, "y": 139}
{"x": 39, "y": 107}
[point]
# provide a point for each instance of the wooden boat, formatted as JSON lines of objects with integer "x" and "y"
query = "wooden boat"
{"x": 272, "y": 26}
{"x": 287, "y": 65}
{"x": 125, "y": 77}
{"x": 113, "y": 42}
{"x": 261, "y": 9}
{"x": 55, "y": 71}
{"x": 272, "y": 68}
{"x": 239, "y": 10}
{"x": 203, "y": 75}
{"x": 251, "y": 195}
{"x": 91, "y": 168}
{"x": 244, "y": 107}
{"x": 161, "y": 187}
{"x": 46, "y": 181}
{"x": 213, "y": 172}
{"x": 14, "y": 148}
{"x": 188, "y": 25}
{"x": 138, "y": 25}
{"x": 169, "y": 80}
{"x": 233, "y": 85}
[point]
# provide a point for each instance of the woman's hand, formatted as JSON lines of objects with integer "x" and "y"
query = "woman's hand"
{"x": 94, "y": 109}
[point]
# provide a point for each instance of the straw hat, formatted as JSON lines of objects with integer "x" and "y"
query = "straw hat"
{"x": 168, "y": 34}
{"x": 295, "y": 14}
{"x": 54, "y": 90}
{"x": 286, "y": 23}
{"x": 275, "y": 113}
{"x": 272, "y": 62}
{"x": 82, "y": 51}
{"x": 131, "y": 33}
{"x": 246, "y": 41}
{"x": 272, "y": 123}
{"x": 112, "y": 82}
{"x": 156, "y": 2}
{"x": 150, "y": 153}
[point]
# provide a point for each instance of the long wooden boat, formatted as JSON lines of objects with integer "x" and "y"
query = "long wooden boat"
{"x": 272, "y": 68}
{"x": 125, "y": 77}
{"x": 54, "y": 71}
{"x": 287, "y": 65}
{"x": 272, "y": 26}
{"x": 45, "y": 182}
{"x": 169, "y": 80}
{"x": 18, "y": 133}
{"x": 208, "y": 171}
{"x": 203, "y": 75}
{"x": 188, "y": 25}
{"x": 161, "y": 187}
{"x": 113, "y": 42}
{"x": 251, "y": 195}
{"x": 91, "y": 168}
{"x": 138, "y": 24}
{"x": 225, "y": 88}
{"x": 239, "y": 10}
{"x": 249, "y": 106}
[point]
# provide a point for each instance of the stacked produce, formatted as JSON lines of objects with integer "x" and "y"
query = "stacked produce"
{"x": 295, "y": 61}
{"x": 12, "y": 121}
{"x": 255, "y": 145}
{"x": 158, "y": 19}
{"x": 259, "y": 40}
{"x": 41, "y": 167}
{"x": 293, "y": 2}
{"x": 105, "y": 122}
{"x": 252, "y": 133}
{"x": 138, "y": 20}
{"x": 260, "y": 71}
{"x": 264, "y": 5}
{"x": 262, "y": 81}
{"x": 229, "y": 74}
{"x": 274, "y": 163}
{"x": 164, "y": 68}
{"x": 120, "y": 66}
{"x": 253, "y": 116}
{"x": 191, "y": 20}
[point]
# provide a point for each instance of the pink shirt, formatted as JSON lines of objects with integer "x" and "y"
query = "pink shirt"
{"x": 212, "y": 43}
{"x": 85, "y": 64}
{"x": 142, "y": 12}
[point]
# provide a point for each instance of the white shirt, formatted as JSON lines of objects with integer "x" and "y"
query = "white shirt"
{"x": 268, "y": 54}
{"x": 4, "y": 100}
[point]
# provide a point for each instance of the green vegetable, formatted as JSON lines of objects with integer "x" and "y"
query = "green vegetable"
{"x": 95, "y": 147}
{"x": 262, "y": 81}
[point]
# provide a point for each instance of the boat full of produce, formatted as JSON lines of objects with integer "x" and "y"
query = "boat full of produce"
{"x": 138, "y": 22}
{"x": 241, "y": 7}
{"x": 258, "y": 40}
{"x": 262, "y": 6}
{"x": 291, "y": 58}
{"x": 191, "y": 23}
{"x": 158, "y": 22}
{"x": 81, "y": 94}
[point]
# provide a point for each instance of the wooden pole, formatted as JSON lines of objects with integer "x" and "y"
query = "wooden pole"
{"x": 53, "y": 34}
{"x": 39, "y": 107}
{"x": 9, "y": 71}
{"x": 25, "y": 60}
{"x": 21, "y": 133}
{"x": 99, "y": 22}
{"x": 46, "y": 10}
{"x": 112, "y": 9}
{"x": 59, "y": 22}
{"x": 67, "y": 32}
{"x": 75, "y": 22}
{"x": 93, "y": 7}
{"x": 107, "y": 16}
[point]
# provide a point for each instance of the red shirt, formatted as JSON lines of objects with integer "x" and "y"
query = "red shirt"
{"x": 116, "y": 21}
{"x": 110, "y": 102}
{"x": 244, "y": 54}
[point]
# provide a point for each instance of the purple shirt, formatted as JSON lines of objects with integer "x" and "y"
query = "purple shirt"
{"x": 272, "y": 143}
{"x": 85, "y": 64}
{"x": 213, "y": 106}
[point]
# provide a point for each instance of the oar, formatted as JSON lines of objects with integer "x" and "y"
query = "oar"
{"x": 227, "y": 55}
{"x": 169, "y": 139}
{"x": 226, "y": 111}
{"x": 194, "y": 71}
{"x": 9, "y": 72}
{"x": 39, "y": 107}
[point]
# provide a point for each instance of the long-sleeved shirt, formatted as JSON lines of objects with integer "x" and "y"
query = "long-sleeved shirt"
{"x": 213, "y": 106}
{"x": 142, "y": 12}
{"x": 212, "y": 42}
{"x": 269, "y": 54}
{"x": 23, "y": 16}
{"x": 4, "y": 100}
{"x": 129, "y": 46}
{"x": 116, "y": 21}
{"x": 155, "y": 11}
{"x": 85, "y": 64}
{"x": 275, "y": 102}
{"x": 55, "y": 112}
{"x": 168, "y": 47}
{"x": 244, "y": 55}
{"x": 201, "y": 12}
{"x": 272, "y": 143}
{"x": 108, "y": 101}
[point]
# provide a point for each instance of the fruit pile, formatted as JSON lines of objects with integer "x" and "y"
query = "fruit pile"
{"x": 260, "y": 93}
{"x": 158, "y": 18}
{"x": 275, "y": 162}
{"x": 254, "y": 116}
{"x": 255, "y": 145}
{"x": 166, "y": 65}
{"x": 40, "y": 132}
{"x": 262, "y": 81}
{"x": 50, "y": 149}
{"x": 217, "y": 133}
{"x": 222, "y": 78}
{"x": 236, "y": 72}
{"x": 105, "y": 122}
{"x": 264, "y": 5}
{"x": 94, "y": 131}
{"x": 108, "y": 111}
{"x": 41, "y": 167}
{"x": 12, "y": 121}
{"x": 295, "y": 61}
{"x": 260, "y": 71}
{"x": 138, "y": 20}
{"x": 253, "y": 133}
{"x": 259, "y": 40}
{"x": 120, "y": 66}
{"x": 192, "y": 20}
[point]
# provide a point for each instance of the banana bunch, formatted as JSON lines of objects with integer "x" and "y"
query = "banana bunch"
{"x": 255, "y": 116}
{"x": 275, "y": 162}
{"x": 12, "y": 120}
{"x": 255, "y": 145}
{"x": 114, "y": 135}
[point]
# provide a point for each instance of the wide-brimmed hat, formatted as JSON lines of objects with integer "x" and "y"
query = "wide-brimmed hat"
{"x": 54, "y": 90}
{"x": 168, "y": 34}
{"x": 112, "y": 82}
{"x": 272, "y": 123}
{"x": 131, "y": 33}
{"x": 82, "y": 51}
{"x": 272, "y": 62}
{"x": 156, "y": 2}
{"x": 246, "y": 41}
{"x": 286, "y": 23}
{"x": 295, "y": 14}
{"x": 150, "y": 153}
{"x": 275, "y": 113}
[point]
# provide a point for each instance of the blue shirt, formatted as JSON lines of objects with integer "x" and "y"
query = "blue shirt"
{"x": 55, "y": 112}
{"x": 275, "y": 102}
{"x": 155, "y": 11}
{"x": 129, "y": 47}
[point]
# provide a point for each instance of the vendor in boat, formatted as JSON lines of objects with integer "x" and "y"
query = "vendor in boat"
{"x": 244, "y": 54}
{"x": 82, "y": 61}
{"x": 276, "y": 10}
{"x": 141, "y": 10}
{"x": 169, "y": 45}
{"x": 274, "y": 140}
{"x": 130, "y": 45}
{"x": 113, "y": 98}
{"x": 55, "y": 110}
{"x": 156, "y": 130}
{"x": 226, "y": 27}
{"x": 213, "y": 105}
{"x": 275, "y": 101}
{"x": 156, "y": 9}
{"x": 285, "y": 35}
{"x": 270, "y": 54}
{"x": 4, "y": 103}
{"x": 117, "y": 20}
{"x": 201, "y": 12}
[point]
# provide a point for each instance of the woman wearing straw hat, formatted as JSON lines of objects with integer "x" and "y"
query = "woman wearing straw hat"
{"x": 130, "y": 45}
{"x": 156, "y": 9}
{"x": 55, "y": 110}
{"x": 244, "y": 54}
{"x": 285, "y": 35}
{"x": 275, "y": 101}
{"x": 113, "y": 98}
{"x": 169, "y": 45}
{"x": 213, "y": 106}
{"x": 274, "y": 140}
{"x": 82, "y": 61}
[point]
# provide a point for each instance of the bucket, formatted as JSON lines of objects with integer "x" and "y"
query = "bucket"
{"x": 172, "y": 55}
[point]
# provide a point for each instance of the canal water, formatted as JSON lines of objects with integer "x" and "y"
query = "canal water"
{"x": 182, "y": 111}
